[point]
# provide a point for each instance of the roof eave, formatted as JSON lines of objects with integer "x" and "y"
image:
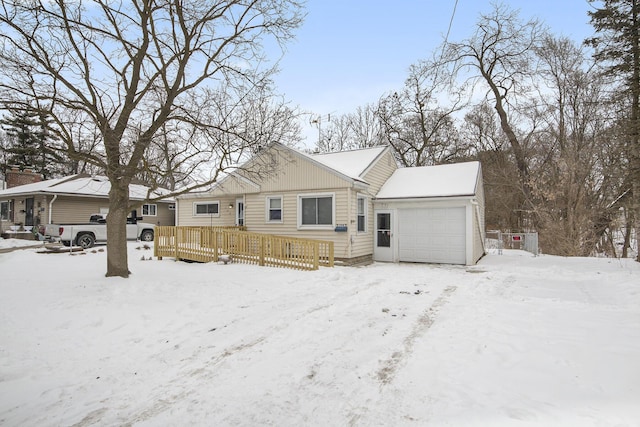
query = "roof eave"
{"x": 423, "y": 198}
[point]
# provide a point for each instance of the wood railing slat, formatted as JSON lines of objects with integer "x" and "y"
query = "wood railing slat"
{"x": 206, "y": 244}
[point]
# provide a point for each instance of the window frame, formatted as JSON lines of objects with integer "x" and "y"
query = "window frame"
{"x": 204, "y": 203}
{"x": 7, "y": 217}
{"x": 267, "y": 208}
{"x": 148, "y": 205}
{"x": 364, "y": 214}
{"x": 331, "y": 226}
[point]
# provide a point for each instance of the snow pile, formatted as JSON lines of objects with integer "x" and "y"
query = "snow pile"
{"x": 515, "y": 340}
{"x": 17, "y": 243}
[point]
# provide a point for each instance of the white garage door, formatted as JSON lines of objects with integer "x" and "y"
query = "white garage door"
{"x": 432, "y": 235}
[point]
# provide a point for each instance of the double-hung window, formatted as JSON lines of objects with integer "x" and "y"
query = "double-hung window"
{"x": 149, "y": 210}
{"x": 274, "y": 209}
{"x": 362, "y": 214}
{"x": 206, "y": 209}
{"x": 316, "y": 210}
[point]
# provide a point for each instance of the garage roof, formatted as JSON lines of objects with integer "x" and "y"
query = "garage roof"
{"x": 458, "y": 179}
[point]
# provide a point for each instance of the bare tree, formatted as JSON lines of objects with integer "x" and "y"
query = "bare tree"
{"x": 360, "y": 129}
{"x": 481, "y": 128}
{"x": 232, "y": 125}
{"x": 500, "y": 55}
{"x": 572, "y": 182}
{"x": 128, "y": 69}
{"x": 416, "y": 121}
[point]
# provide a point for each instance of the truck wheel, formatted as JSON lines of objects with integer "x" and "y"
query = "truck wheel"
{"x": 85, "y": 240}
{"x": 147, "y": 236}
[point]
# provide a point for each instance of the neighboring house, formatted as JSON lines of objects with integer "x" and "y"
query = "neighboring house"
{"x": 332, "y": 197}
{"x": 73, "y": 199}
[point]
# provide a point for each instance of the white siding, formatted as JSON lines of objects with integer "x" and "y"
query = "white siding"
{"x": 225, "y": 217}
{"x": 256, "y": 219}
{"x": 376, "y": 176}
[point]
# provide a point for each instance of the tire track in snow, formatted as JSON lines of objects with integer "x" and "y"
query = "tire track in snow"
{"x": 208, "y": 371}
{"x": 390, "y": 366}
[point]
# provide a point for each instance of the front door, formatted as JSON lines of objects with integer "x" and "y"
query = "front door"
{"x": 239, "y": 211}
{"x": 28, "y": 214}
{"x": 383, "y": 242}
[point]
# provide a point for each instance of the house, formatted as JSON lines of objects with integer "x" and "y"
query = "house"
{"x": 72, "y": 199}
{"x": 348, "y": 198}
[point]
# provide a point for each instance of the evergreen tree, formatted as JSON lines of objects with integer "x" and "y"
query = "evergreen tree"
{"x": 617, "y": 44}
{"x": 29, "y": 145}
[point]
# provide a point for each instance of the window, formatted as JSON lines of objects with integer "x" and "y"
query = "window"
{"x": 206, "y": 209}
{"x": 384, "y": 230}
{"x": 316, "y": 210}
{"x": 362, "y": 213}
{"x": 274, "y": 209}
{"x": 4, "y": 211}
{"x": 150, "y": 210}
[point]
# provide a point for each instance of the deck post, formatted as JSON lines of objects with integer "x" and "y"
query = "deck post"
{"x": 316, "y": 255}
{"x": 215, "y": 245}
{"x": 262, "y": 250}
{"x": 176, "y": 230}
{"x": 330, "y": 253}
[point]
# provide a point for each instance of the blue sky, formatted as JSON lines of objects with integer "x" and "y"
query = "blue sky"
{"x": 350, "y": 52}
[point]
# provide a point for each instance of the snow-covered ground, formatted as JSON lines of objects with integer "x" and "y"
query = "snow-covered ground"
{"x": 516, "y": 340}
{"x": 17, "y": 243}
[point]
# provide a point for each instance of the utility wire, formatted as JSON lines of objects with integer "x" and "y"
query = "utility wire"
{"x": 453, "y": 14}
{"x": 446, "y": 38}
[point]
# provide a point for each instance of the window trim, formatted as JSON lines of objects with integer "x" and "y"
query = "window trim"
{"x": 8, "y": 211}
{"x": 365, "y": 214}
{"x": 155, "y": 209}
{"x": 267, "y": 209}
{"x": 206, "y": 215}
{"x": 317, "y": 226}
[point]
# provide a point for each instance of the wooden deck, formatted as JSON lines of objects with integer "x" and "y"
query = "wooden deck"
{"x": 206, "y": 244}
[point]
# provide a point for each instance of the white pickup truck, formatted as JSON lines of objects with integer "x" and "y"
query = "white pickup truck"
{"x": 95, "y": 231}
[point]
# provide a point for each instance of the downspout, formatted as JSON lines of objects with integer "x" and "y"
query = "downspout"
{"x": 55, "y": 196}
{"x": 475, "y": 203}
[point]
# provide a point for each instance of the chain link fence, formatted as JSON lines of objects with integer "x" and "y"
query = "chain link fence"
{"x": 497, "y": 240}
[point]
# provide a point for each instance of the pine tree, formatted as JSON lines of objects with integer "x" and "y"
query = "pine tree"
{"x": 28, "y": 144}
{"x": 617, "y": 44}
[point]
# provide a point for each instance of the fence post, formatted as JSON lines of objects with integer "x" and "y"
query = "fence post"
{"x": 316, "y": 255}
{"x": 215, "y": 245}
{"x": 156, "y": 241}
{"x": 262, "y": 250}
{"x": 330, "y": 253}
{"x": 176, "y": 230}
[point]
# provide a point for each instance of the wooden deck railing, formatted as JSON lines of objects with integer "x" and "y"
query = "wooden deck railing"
{"x": 205, "y": 244}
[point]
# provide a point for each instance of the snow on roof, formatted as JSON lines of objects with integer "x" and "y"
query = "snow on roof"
{"x": 350, "y": 163}
{"x": 79, "y": 185}
{"x": 458, "y": 179}
{"x": 36, "y": 187}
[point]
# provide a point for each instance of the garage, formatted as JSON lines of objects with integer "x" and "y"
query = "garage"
{"x": 431, "y": 214}
{"x": 434, "y": 235}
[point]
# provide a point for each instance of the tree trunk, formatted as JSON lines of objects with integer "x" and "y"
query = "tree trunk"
{"x": 117, "y": 260}
{"x": 628, "y": 227}
{"x": 635, "y": 123}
